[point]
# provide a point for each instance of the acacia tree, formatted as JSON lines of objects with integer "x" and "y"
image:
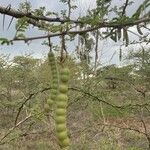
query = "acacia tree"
{"x": 87, "y": 29}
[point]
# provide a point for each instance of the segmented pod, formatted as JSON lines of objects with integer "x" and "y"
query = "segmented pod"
{"x": 59, "y": 93}
{"x": 54, "y": 86}
{"x": 50, "y": 102}
{"x": 60, "y": 119}
{"x": 61, "y": 127}
{"x": 65, "y": 142}
{"x": 63, "y": 88}
{"x": 55, "y": 79}
{"x": 46, "y": 108}
{"x": 62, "y": 136}
{"x": 53, "y": 96}
{"x": 61, "y": 105}
{"x": 64, "y": 78}
{"x": 54, "y": 91}
{"x": 62, "y": 97}
{"x": 65, "y": 71}
{"x": 60, "y": 112}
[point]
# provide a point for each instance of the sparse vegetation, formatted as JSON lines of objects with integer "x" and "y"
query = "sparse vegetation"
{"x": 74, "y": 102}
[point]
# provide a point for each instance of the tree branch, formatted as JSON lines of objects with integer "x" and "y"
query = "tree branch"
{"x": 124, "y": 8}
{"x": 13, "y": 128}
{"x": 101, "y": 25}
{"x": 26, "y": 100}
{"x": 18, "y": 14}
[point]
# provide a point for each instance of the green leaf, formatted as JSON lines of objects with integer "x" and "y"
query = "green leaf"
{"x": 4, "y": 41}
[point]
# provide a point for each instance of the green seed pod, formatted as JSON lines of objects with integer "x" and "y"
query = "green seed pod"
{"x": 54, "y": 73}
{"x": 65, "y": 143}
{"x": 61, "y": 104}
{"x": 62, "y": 97}
{"x": 53, "y": 96}
{"x": 60, "y": 112}
{"x": 51, "y": 58}
{"x": 50, "y": 102}
{"x": 46, "y": 108}
{"x": 65, "y": 71}
{"x": 51, "y": 55}
{"x": 60, "y": 119}
{"x": 52, "y": 62}
{"x": 62, "y": 135}
{"x": 61, "y": 127}
{"x": 64, "y": 78}
{"x": 54, "y": 86}
{"x": 54, "y": 91}
{"x": 55, "y": 80}
{"x": 53, "y": 69}
{"x": 63, "y": 88}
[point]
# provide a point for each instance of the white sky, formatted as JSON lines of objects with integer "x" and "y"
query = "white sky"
{"x": 108, "y": 47}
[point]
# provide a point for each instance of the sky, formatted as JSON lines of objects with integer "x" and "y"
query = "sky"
{"x": 107, "y": 48}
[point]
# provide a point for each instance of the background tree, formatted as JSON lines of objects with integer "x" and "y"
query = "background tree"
{"x": 108, "y": 106}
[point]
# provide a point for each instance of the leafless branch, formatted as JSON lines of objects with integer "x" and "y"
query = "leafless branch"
{"x": 26, "y": 100}
{"x": 124, "y": 8}
{"x": 13, "y": 128}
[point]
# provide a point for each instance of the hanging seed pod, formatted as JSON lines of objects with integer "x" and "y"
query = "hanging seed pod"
{"x": 50, "y": 102}
{"x": 119, "y": 33}
{"x": 63, "y": 88}
{"x": 46, "y": 108}
{"x": 120, "y": 54}
{"x": 62, "y": 136}
{"x": 60, "y": 111}
{"x": 125, "y": 37}
{"x": 65, "y": 71}
{"x": 62, "y": 97}
{"x": 65, "y": 142}
{"x": 60, "y": 119}
{"x": 61, "y": 106}
{"x": 55, "y": 79}
{"x": 61, "y": 100}
{"x": 61, "y": 127}
{"x": 139, "y": 30}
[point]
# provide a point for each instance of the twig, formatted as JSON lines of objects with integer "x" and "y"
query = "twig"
{"x": 101, "y": 25}
{"x": 124, "y": 8}
{"x": 146, "y": 131}
{"x": 96, "y": 50}
{"x": 17, "y": 14}
{"x": 11, "y": 129}
{"x": 26, "y": 100}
